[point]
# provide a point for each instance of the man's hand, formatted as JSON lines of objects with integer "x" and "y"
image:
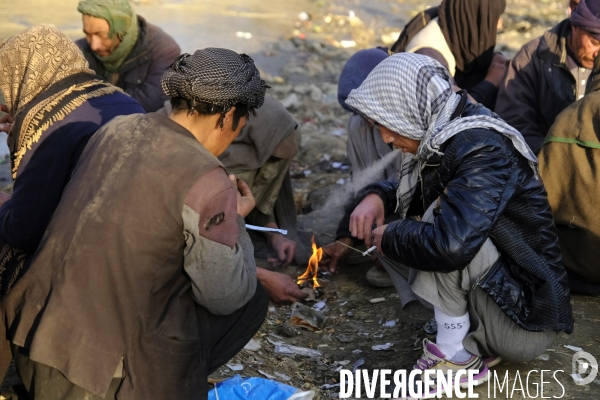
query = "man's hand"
{"x": 245, "y": 200}
{"x": 497, "y": 69}
{"x": 4, "y": 197}
{"x": 282, "y": 246}
{"x": 281, "y": 288}
{"x": 370, "y": 211}
{"x": 6, "y": 121}
{"x": 334, "y": 253}
{"x": 378, "y": 236}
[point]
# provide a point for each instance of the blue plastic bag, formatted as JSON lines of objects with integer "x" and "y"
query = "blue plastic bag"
{"x": 238, "y": 388}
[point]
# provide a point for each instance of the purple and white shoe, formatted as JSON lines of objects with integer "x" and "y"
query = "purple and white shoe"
{"x": 434, "y": 359}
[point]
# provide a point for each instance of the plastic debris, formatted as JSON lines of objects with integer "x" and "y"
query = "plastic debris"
{"x": 543, "y": 357}
{"x": 348, "y": 44}
{"x": 377, "y": 300}
{"x": 338, "y": 132}
{"x": 268, "y": 376}
{"x": 320, "y": 305}
{"x": 330, "y": 385}
{"x": 238, "y": 388}
{"x": 573, "y": 348}
{"x": 359, "y": 363}
{"x": 430, "y": 327}
{"x": 235, "y": 367}
{"x": 357, "y": 351}
{"x": 344, "y": 339}
{"x": 382, "y": 346}
{"x": 252, "y": 345}
{"x": 340, "y": 181}
{"x": 336, "y": 164}
{"x": 343, "y": 362}
{"x": 306, "y": 317}
{"x": 303, "y": 16}
{"x": 291, "y": 101}
{"x": 288, "y": 349}
{"x": 307, "y": 172}
{"x": 390, "y": 323}
{"x": 283, "y": 376}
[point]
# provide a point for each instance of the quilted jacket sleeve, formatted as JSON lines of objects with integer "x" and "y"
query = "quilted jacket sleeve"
{"x": 480, "y": 171}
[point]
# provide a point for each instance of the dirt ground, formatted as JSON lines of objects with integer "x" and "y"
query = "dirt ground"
{"x": 303, "y": 70}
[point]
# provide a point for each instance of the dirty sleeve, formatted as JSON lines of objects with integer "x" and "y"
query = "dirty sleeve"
{"x": 218, "y": 253}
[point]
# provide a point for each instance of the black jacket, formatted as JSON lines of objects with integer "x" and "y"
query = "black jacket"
{"x": 538, "y": 85}
{"x": 486, "y": 189}
{"x": 140, "y": 74}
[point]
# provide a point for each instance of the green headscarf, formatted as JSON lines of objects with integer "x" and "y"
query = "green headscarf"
{"x": 122, "y": 22}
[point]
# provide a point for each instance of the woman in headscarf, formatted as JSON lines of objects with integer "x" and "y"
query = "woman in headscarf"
{"x": 485, "y": 253}
{"x": 55, "y": 103}
{"x": 461, "y": 35}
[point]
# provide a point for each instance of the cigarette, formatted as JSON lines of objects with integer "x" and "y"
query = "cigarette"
{"x": 366, "y": 253}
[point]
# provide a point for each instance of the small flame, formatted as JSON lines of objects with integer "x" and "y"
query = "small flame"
{"x": 313, "y": 266}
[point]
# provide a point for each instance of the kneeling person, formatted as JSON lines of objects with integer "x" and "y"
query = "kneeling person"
{"x": 146, "y": 274}
{"x": 485, "y": 254}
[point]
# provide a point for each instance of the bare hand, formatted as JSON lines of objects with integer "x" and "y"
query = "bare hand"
{"x": 497, "y": 69}
{"x": 370, "y": 211}
{"x": 245, "y": 200}
{"x": 6, "y": 121}
{"x": 283, "y": 247}
{"x": 378, "y": 236}
{"x": 333, "y": 253}
{"x": 281, "y": 288}
{"x": 4, "y": 197}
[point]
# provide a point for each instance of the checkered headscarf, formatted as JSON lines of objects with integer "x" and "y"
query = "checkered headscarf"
{"x": 412, "y": 95}
{"x": 215, "y": 76}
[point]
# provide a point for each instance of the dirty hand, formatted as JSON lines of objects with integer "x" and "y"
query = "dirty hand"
{"x": 497, "y": 69}
{"x": 378, "y": 236}
{"x": 6, "y": 121}
{"x": 370, "y": 211}
{"x": 245, "y": 200}
{"x": 4, "y": 197}
{"x": 333, "y": 253}
{"x": 281, "y": 288}
{"x": 283, "y": 247}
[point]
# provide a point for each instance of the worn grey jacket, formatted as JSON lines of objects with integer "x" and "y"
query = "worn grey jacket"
{"x": 145, "y": 241}
{"x": 140, "y": 74}
{"x": 538, "y": 86}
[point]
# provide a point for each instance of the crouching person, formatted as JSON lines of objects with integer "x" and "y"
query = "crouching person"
{"x": 485, "y": 253}
{"x": 144, "y": 282}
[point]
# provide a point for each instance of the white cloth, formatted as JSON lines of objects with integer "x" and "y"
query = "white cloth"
{"x": 432, "y": 37}
{"x": 413, "y": 96}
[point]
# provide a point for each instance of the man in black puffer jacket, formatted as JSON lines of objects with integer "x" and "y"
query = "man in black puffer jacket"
{"x": 485, "y": 254}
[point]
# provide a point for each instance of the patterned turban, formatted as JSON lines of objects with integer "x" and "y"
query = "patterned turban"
{"x": 215, "y": 76}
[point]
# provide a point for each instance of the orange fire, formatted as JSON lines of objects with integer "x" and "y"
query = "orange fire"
{"x": 313, "y": 266}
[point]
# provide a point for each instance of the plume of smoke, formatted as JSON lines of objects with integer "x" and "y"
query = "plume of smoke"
{"x": 359, "y": 180}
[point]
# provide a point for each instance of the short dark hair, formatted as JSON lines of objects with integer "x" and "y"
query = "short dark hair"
{"x": 179, "y": 105}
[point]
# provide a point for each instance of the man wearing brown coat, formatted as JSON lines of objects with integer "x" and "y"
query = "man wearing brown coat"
{"x": 145, "y": 280}
{"x": 550, "y": 73}
{"x": 126, "y": 50}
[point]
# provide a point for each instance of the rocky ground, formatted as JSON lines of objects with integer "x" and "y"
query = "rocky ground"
{"x": 303, "y": 72}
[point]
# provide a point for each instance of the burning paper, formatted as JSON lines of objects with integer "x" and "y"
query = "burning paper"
{"x": 313, "y": 266}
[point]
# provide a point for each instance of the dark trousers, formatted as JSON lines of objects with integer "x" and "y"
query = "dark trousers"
{"x": 228, "y": 335}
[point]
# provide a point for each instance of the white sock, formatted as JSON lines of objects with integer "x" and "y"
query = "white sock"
{"x": 450, "y": 334}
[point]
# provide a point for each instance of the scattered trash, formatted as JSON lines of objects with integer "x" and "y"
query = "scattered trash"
{"x": 330, "y": 385}
{"x": 390, "y": 323}
{"x": 306, "y": 317}
{"x": 573, "y": 348}
{"x": 338, "y": 132}
{"x": 359, "y": 363}
{"x": 291, "y": 101}
{"x": 283, "y": 376}
{"x": 350, "y": 314}
{"x": 289, "y": 349}
{"x": 543, "y": 357}
{"x": 430, "y": 327}
{"x": 319, "y": 306}
{"x": 344, "y": 339}
{"x": 336, "y": 164}
{"x": 377, "y": 300}
{"x": 343, "y": 362}
{"x": 326, "y": 157}
{"x": 268, "y": 376}
{"x": 357, "y": 351}
{"x": 304, "y": 16}
{"x": 286, "y": 330}
{"x": 307, "y": 172}
{"x": 382, "y": 346}
{"x": 348, "y": 43}
{"x": 235, "y": 367}
{"x": 340, "y": 181}
{"x": 245, "y": 35}
{"x": 253, "y": 345}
